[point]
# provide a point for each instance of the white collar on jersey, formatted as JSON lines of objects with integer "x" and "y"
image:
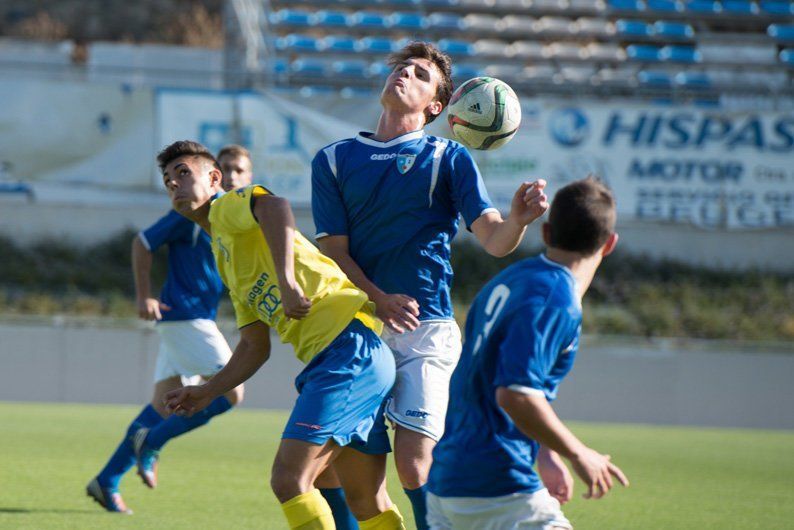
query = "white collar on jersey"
{"x": 407, "y": 137}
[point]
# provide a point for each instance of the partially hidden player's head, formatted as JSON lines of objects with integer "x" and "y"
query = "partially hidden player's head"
{"x": 582, "y": 219}
{"x": 236, "y": 166}
{"x": 191, "y": 175}
{"x": 420, "y": 81}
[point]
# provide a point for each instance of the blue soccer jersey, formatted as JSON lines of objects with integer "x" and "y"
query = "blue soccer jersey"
{"x": 398, "y": 202}
{"x": 522, "y": 332}
{"x": 193, "y": 286}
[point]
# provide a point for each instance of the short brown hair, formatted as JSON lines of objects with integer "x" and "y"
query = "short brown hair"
{"x": 234, "y": 150}
{"x": 582, "y": 216}
{"x": 184, "y": 148}
{"x": 426, "y": 50}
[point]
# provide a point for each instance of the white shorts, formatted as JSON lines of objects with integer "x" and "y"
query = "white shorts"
{"x": 425, "y": 358}
{"x": 517, "y": 511}
{"x": 190, "y": 348}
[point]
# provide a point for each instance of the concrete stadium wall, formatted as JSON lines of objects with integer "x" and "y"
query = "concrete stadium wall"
{"x": 666, "y": 382}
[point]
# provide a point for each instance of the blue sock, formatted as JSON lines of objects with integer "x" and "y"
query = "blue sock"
{"x": 419, "y": 504}
{"x": 176, "y": 425}
{"x": 124, "y": 457}
{"x": 343, "y": 517}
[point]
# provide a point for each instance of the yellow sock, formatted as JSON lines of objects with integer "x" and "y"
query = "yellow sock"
{"x": 308, "y": 511}
{"x": 388, "y": 520}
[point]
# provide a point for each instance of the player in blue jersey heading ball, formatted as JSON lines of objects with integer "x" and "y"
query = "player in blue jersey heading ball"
{"x": 386, "y": 206}
{"x": 522, "y": 333}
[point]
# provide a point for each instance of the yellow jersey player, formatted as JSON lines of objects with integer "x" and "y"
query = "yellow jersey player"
{"x": 278, "y": 279}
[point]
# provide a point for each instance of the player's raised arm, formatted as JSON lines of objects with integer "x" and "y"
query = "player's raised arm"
{"x": 533, "y": 415}
{"x": 275, "y": 218}
{"x": 398, "y": 311}
{"x": 149, "y": 308}
{"x": 500, "y": 237}
{"x": 250, "y": 354}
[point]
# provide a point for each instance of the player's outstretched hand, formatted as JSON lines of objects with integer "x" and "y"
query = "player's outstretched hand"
{"x": 187, "y": 400}
{"x": 398, "y": 311}
{"x": 597, "y": 471}
{"x": 296, "y": 305}
{"x": 151, "y": 309}
{"x": 529, "y": 202}
{"x": 555, "y": 475}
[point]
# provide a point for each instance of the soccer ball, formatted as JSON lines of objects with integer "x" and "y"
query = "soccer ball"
{"x": 484, "y": 113}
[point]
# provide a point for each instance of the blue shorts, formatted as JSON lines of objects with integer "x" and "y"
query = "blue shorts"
{"x": 342, "y": 392}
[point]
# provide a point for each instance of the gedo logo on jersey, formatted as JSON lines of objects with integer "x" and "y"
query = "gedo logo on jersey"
{"x": 569, "y": 126}
{"x": 383, "y": 156}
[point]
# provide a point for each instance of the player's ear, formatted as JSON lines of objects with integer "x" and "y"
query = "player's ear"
{"x": 546, "y": 230}
{"x": 215, "y": 177}
{"x": 610, "y": 245}
{"x": 435, "y": 108}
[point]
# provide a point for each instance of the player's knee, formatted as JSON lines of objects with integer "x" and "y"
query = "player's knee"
{"x": 412, "y": 470}
{"x": 287, "y": 482}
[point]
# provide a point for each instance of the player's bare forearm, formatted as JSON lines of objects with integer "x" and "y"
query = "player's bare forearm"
{"x": 277, "y": 223}
{"x": 249, "y": 355}
{"x": 141, "y": 268}
{"x": 536, "y": 419}
{"x": 499, "y": 237}
{"x": 336, "y": 248}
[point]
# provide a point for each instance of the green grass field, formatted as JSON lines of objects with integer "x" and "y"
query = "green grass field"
{"x": 217, "y": 477}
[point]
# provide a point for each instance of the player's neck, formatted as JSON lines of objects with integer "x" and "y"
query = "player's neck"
{"x": 201, "y": 216}
{"x": 393, "y": 124}
{"x": 582, "y": 268}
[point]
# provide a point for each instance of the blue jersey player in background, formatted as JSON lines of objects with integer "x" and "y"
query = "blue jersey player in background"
{"x": 522, "y": 333}
{"x": 191, "y": 347}
{"x": 386, "y": 206}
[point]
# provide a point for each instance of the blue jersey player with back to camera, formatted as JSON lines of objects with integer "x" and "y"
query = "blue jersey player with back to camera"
{"x": 522, "y": 333}
{"x": 386, "y": 206}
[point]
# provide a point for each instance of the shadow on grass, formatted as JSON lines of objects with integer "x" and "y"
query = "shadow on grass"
{"x": 4, "y": 509}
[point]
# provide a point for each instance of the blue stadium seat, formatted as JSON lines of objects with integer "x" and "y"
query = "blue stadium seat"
{"x": 399, "y": 3}
{"x": 627, "y": 5}
{"x": 291, "y": 17}
{"x": 704, "y": 6}
{"x": 776, "y": 7}
{"x": 309, "y": 67}
{"x": 354, "y": 68}
{"x": 465, "y": 71}
{"x": 439, "y": 4}
{"x": 653, "y": 78}
{"x": 298, "y": 43}
{"x": 643, "y": 52}
{"x": 680, "y": 54}
{"x": 408, "y": 21}
{"x": 633, "y": 28}
{"x": 692, "y": 79}
{"x": 456, "y": 47}
{"x": 336, "y": 19}
{"x": 369, "y": 19}
{"x": 339, "y": 44}
{"x": 784, "y": 32}
{"x": 445, "y": 21}
{"x": 665, "y": 6}
{"x": 787, "y": 56}
{"x": 278, "y": 66}
{"x": 678, "y": 30}
{"x": 739, "y": 7}
{"x": 376, "y": 45}
{"x": 379, "y": 69}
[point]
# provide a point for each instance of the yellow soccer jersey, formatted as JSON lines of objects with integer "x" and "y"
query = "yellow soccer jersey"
{"x": 247, "y": 269}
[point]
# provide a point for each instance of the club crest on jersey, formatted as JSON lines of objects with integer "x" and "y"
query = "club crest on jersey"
{"x": 405, "y": 163}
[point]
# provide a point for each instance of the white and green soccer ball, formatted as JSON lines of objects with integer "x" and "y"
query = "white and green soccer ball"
{"x": 484, "y": 113}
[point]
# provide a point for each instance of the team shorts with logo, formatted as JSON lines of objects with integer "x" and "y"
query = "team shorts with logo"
{"x": 190, "y": 348}
{"x": 426, "y": 358}
{"x": 342, "y": 391}
{"x": 525, "y": 511}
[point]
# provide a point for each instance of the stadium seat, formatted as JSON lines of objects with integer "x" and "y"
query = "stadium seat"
{"x": 474, "y": 5}
{"x": 336, "y": 19}
{"x": 678, "y": 30}
{"x": 408, "y": 21}
{"x": 787, "y": 56}
{"x": 291, "y": 17}
{"x": 538, "y": 73}
{"x": 399, "y": 3}
{"x": 739, "y": 7}
{"x": 439, "y": 4}
{"x": 781, "y": 32}
{"x": 616, "y": 77}
{"x": 353, "y": 68}
{"x": 643, "y": 52}
{"x": 665, "y": 6}
{"x": 369, "y": 20}
{"x": 604, "y": 51}
{"x": 550, "y": 5}
{"x": 376, "y": 45}
{"x": 552, "y": 25}
{"x": 692, "y": 79}
{"x": 654, "y": 78}
{"x": 491, "y": 48}
{"x": 579, "y": 74}
{"x": 526, "y": 50}
{"x": 777, "y": 7}
{"x": 633, "y": 28}
{"x": 338, "y": 44}
{"x": 515, "y": 6}
{"x": 503, "y": 71}
{"x": 465, "y": 71}
{"x": 445, "y": 21}
{"x": 704, "y": 6}
{"x": 518, "y": 24}
{"x": 483, "y": 24}
{"x": 309, "y": 67}
{"x": 278, "y": 66}
{"x": 379, "y": 69}
{"x": 680, "y": 54}
{"x": 297, "y": 43}
{"x": 563, "y": 51}
{"x": 723, "y": 52}
{"x": 595, "y": 27}
{"x": 587, "y": 5}
{"x": 456, "y": 47}
{"x": 626, "y": 5}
